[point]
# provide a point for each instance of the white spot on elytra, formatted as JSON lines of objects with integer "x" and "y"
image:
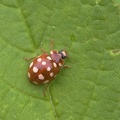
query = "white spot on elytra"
{"x": 54, "y": 64}
{"x": 48, "y": 68}
{"x": 43, "y": 63}
{"x": 39, "y": 59}
{"x": 41, "y": 77}
{"x": 51, "y": 74}
{"x": 51, "y": 52}
{"x": 35, "y": 82}
{"x": 31, "y": 64}
{"x": 46, "y": 81}
{"x": 60, "y": 64}
{"x": 49, "y": 58}
{"x": 28, "y": 74}
{"x": 35, "y": 70}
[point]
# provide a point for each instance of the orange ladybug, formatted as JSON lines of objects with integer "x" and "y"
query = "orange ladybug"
{"x": 45, "y": 67}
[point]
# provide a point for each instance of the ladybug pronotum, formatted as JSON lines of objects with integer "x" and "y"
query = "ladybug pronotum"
{"x": 45, "y": 67}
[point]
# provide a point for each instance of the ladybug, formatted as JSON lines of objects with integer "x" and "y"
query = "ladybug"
{"x": 45, "y": 67}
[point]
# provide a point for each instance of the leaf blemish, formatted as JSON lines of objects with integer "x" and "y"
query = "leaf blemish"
{"x": 116, "y": 51}
{"x": 73, "y": 37}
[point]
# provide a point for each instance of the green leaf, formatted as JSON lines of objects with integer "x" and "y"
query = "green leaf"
{"x": 90, "y": 32}
{"x": 117, "y": 2}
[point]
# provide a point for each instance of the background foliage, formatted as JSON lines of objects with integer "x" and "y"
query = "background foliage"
{"x": 89, "y": 30}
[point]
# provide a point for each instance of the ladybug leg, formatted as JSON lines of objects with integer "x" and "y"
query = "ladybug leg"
{"x": 28, "y": 59}
{"x": 51, "y": 44}
{"x": 43, "y": 51}
{"x": 66, "y": 66}
{"x": 44, "y": 91}
{"x": 68, "y": 56}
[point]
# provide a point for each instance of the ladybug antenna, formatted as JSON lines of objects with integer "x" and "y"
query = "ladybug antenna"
{"x": 51, "y": 44}
{"x": 66, "y": 53}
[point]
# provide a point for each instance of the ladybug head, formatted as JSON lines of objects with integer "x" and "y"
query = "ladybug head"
{"x": 63, "y": 54}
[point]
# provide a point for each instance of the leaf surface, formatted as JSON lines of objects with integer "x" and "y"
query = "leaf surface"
{"x": 90, "y": 32}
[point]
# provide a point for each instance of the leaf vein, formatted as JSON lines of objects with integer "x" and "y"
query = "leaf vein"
{"x": 14, "y": 7}
{"x": 51, "y": 100}
{"x": 26, "y": 24}
{"x": 23, "y": 108}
